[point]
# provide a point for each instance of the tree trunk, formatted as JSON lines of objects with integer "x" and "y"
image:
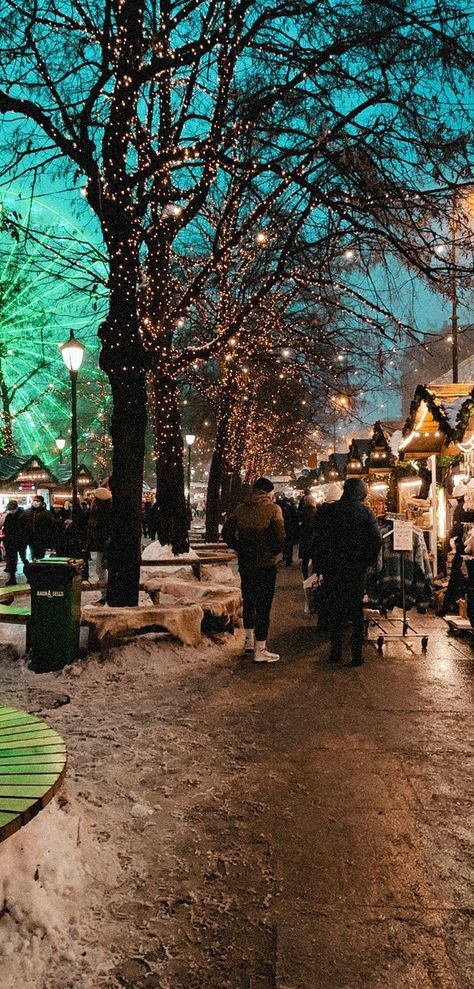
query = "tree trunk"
{"x": 213, "y": 499}
{"x": 7, "y": 428}
{"x": 123, "y": 358}
{"x": 235, "y": 493}
{"x": 225, "y": 493}
{"x": 128, "y": 425}
{"x": 173, "y": 516}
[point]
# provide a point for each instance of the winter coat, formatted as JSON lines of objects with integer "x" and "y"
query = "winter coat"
{"x": 347, "y": 541}
{"x": 307, "y": 512}
{"x": 14, "y": 533}
{"x": 290, "y": 519}
{"x": 39, "y": 530}
{"x": 99, "y": 526}
{"x": 257, "y": 531}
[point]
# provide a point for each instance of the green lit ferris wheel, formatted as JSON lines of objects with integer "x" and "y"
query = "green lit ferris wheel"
{"x": 52, "y": 280}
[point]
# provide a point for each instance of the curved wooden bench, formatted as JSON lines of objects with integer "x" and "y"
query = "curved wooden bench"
{"x": 32, "y": 766}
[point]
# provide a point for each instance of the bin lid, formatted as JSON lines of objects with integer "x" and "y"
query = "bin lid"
{"x": 58, "y": 561}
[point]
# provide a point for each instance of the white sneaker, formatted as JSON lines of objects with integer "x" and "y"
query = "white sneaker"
{"x": 263, "y": 655}
{"x": 249, "y": 642}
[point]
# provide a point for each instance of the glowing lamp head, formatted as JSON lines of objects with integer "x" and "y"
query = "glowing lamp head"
{"x": 72, "y": 353}
{"x": 190, "y": 438}
{"x": 60, "y": 443}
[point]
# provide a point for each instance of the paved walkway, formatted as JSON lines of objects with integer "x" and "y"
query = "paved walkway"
{"x": 303, "y": 827}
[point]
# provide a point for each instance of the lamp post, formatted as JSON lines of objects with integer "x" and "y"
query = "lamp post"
{"x": 60, "y": 443}
{"x": 189, "y": 440}
{"x": 72, "y": 353}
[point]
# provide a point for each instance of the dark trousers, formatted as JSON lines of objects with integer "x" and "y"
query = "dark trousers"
{"x": 288, "y": 552}
{"x": 357, "y": 638}
{"x": 11, "y": 558}
{"x": 258, "y": 588}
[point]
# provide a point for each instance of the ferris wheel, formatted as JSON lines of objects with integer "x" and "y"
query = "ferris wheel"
{"x": 52, "y": 279}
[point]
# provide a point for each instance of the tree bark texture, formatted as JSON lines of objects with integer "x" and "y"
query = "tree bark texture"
{"x": 124, "y": 360}
{"x": 216, "y": 471}
{"x": 7, "y": 425}
{"x": 173, "y": 519}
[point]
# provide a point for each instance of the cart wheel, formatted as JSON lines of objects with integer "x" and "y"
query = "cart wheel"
{"x": 424, "y": 643}
{"x": 380, "y": 642}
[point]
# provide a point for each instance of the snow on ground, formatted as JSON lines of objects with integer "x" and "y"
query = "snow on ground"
{"x": 67, "y": 878}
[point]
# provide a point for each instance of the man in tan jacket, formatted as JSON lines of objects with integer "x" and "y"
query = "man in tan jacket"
{"x": 258, "y": 534}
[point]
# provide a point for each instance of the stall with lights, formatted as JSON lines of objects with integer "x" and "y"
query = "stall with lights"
{"x": 357, "y": 458}
{"x": 63, "y": 488}
{"x": 336, "y": 468}
{"x": 379, "y": 467}
{"x": 22, "y": 477}
{"x": 440, "y": 424}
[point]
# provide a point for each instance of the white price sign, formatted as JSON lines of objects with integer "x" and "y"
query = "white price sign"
{"x": 402, "y": 535}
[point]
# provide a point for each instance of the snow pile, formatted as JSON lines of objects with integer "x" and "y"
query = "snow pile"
{"x": 155, "y": 551}
{"x": 220, "y": 574}
{"x": 46, "y": 869}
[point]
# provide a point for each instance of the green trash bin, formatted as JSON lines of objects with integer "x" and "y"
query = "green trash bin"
{"x": 55, "y": 612}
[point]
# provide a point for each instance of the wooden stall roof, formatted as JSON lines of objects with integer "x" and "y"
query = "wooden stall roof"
{"x": 337, "y": 466}
{"x": 381, "y": 456}
{"x": 62, "y": 473}
{"x": 25, "y": 468}
{"x": 440, "y": 418}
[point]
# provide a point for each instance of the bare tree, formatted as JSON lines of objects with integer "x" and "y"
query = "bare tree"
{"x": 158, "y": 105}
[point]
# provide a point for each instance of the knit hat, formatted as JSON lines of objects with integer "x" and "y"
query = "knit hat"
{"x": 263, "y": 484}
{"x": 355, "y": 488}
{"x": 102, "y": 494}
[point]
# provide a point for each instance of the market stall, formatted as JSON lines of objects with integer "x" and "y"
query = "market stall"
{"x": 440, "y": 424}
{"x": 357, "y": 458}
{"x": 379, "y": 468}
{"x": 21, "y": 477}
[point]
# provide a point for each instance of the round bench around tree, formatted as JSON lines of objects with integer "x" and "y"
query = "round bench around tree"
{"x": 32, "y": 766}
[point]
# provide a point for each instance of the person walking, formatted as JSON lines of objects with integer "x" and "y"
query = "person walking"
{"x": 257, "y": 533}
{"x": 347, "y": 541}
{"x": 98, "y": 534}
{"x": 38, "y": 527}
{"x": 14, "y": 539}
{"x": 307, "y": 511}
{"x": 290, "y": 521}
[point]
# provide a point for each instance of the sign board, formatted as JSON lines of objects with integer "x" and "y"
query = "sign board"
{"x": 402, "y": 535}
{"x": 313, "y": 460}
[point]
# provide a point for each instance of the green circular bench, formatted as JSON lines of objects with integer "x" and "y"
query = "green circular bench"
{"x": 32, "y": 766}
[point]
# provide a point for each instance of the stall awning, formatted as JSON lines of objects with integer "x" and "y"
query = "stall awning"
{"x": 440, "y": 420}
{"x": 381, "y": 457}
{"x": 24, "y": 470}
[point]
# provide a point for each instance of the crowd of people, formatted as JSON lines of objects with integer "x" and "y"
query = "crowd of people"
{"x": 339, "y": 539}
{"x": 32, "y": 532}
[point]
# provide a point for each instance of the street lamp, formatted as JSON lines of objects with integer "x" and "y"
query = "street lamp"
{"x": 189, "y": 440}
{"x": 60, "y": 443}
{"x": 72, "y": 353}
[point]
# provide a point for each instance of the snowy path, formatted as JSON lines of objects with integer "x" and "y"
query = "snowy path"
{"x": 292, "y": 827}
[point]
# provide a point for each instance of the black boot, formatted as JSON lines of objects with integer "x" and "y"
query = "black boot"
{"x": 356, "y": 661}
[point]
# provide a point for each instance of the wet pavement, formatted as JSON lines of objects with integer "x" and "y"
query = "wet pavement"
{"x": 305, "y": 826}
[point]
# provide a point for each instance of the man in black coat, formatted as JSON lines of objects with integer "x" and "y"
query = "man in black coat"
{"x": 14, "y": 539}
{"x": 39, "y": 528}
{"x": 347, "y": 542}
